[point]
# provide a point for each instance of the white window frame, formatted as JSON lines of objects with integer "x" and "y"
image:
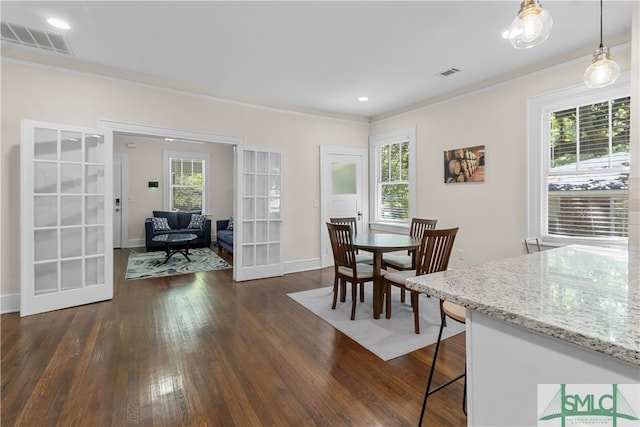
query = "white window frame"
{"x": 538, "y": 159}
{"x": 187, "y": 155}
{"x": 375, "y": 142}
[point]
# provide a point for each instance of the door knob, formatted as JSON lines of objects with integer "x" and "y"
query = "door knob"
{"x": 359, "y": 215}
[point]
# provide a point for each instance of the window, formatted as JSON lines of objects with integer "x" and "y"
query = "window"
{"x": 393, "y": 177}
{"x": 186, "y": 176}
{"x": 581, "y": 192}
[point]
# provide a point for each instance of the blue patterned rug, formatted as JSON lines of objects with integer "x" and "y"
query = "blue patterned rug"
{"x": 144, "y": 265}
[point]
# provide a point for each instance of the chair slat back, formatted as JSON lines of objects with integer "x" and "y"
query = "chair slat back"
{"x": 351, "y": 221}
{"x": 418, "y": 225}
{"x": 342, "y": 245}
{"x": 435, "y": 250}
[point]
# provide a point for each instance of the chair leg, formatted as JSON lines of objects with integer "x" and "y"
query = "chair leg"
{"x": 387, "y": 291}
{"x": 428, "y": 391}
{"x": 335, "y": 293}
{"x": 343, "y": 290}
{"x": 433, "y": 368}
{"x": 361, "y": 292}
{"x": 464, "y": 396}
{"x": 416, "y": 310}
{"x": 354, "y": 300}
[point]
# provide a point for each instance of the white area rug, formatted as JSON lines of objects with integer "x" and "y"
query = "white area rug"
{"x": 386, "y": 338}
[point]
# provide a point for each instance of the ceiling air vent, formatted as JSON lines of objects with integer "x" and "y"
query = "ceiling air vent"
{"x": 447, "y": 72}
{"x": 33, "y": 37}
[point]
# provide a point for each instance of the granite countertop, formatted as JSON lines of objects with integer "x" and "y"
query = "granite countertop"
{"x": 585, "y": 295}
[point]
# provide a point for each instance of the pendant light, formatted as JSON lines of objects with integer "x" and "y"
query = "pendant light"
{"x": 602, "y": 71}
{"x": 531, "y": 27}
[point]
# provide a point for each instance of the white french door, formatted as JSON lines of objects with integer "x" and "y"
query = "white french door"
{"x": 66, "y": 216}
{"x": 257, "y": 248}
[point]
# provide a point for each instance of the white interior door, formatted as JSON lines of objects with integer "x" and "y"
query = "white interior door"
{"x": 66, "y": 216}
{"x": 117, "y": 203}
{"x": 257, "y": 247}
{"x": 343, "y": 184}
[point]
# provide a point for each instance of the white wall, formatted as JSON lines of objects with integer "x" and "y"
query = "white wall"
{"x": 49, "y": 94}
{"x": 146, "y": 164}
{"x": 491, "y": 215}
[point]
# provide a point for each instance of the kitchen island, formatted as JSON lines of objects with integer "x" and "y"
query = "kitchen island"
{"x": 569, "y": 315}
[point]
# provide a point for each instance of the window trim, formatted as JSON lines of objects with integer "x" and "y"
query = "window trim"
{"x": 375, "y": 141}
{"x": 538, "y": 110}
{"x": 188, "y": 155}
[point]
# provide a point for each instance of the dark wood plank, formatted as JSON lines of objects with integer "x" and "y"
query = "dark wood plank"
{"x": 202, "y": 350}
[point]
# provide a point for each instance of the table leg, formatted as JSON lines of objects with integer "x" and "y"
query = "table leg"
{"x": 377, "y": 285}
{"x": 171, "y": 252}
{"x": 167, "y": 251}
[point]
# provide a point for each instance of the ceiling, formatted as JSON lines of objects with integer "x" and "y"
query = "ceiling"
{"x": 320, "y": 56}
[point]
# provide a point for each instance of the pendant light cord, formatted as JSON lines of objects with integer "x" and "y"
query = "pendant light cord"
{"x": 601, "y": 24}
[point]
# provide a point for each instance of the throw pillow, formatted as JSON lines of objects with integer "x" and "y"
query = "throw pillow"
{"x": 160, "y": 224}
{"x": 197, "y": 221}
{"x": 230, "y": 225}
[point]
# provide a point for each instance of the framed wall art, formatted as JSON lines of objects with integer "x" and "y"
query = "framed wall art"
{"x": 464, "y": 165}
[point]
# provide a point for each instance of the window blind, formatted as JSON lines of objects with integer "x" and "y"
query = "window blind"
{"x": 587, "y": 180}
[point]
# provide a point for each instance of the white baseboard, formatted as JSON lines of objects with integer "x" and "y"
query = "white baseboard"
{"x": 302, "y": 265}
{"x": 9, "y": 303}
{"x": 135, "y": 243}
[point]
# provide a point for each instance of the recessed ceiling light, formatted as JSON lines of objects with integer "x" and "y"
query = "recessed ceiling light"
{"x": 363, "y": 99}
{"x": 58, "y": 23}
{"x": 169, "y": 139}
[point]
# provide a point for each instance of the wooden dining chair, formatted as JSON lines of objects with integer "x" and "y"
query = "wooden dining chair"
{"x": 408, "y": 261}
{"x": 432, "y": 256}
{"x": 347, "y": 269}
{"x": 351, "y": 221}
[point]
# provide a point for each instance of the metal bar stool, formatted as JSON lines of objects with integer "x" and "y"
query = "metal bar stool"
{"x": 455, "y": 312}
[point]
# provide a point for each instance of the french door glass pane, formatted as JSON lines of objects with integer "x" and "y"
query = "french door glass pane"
{"x": 94, "y": 179}
{"x": 94, "y": 210}
{"x": 94, "y": 274}
{"x": 45, "y": 178}
{"x": 45, "y": 211}
{"x": 274, "y": 253}
{"x": 70, "y": 178}
{"x": 45, "y": 144}
{"x": 70, "y": 146}
{"x": 71, "y": 242}
{"x": 71, "y": 274}
{"x": 45, "y": 245}
{"x": 45, "y": 277}
{"x": 94, "y": 151}
{"x": 71, "y": 210}
{"x": 94, "y": 240}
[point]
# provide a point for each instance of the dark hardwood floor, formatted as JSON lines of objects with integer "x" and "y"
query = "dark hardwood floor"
{"x": 202, "y": 350}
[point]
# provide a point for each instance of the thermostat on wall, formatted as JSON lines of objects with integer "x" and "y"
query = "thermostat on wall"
{"x": 153, "y": 184}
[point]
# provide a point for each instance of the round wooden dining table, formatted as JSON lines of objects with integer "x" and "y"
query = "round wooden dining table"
{"x": 377, "y": 244}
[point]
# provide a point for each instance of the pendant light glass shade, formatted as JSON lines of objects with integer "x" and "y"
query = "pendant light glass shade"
{"x": 602, "y": 71}
{"x": 531, "y": 27}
